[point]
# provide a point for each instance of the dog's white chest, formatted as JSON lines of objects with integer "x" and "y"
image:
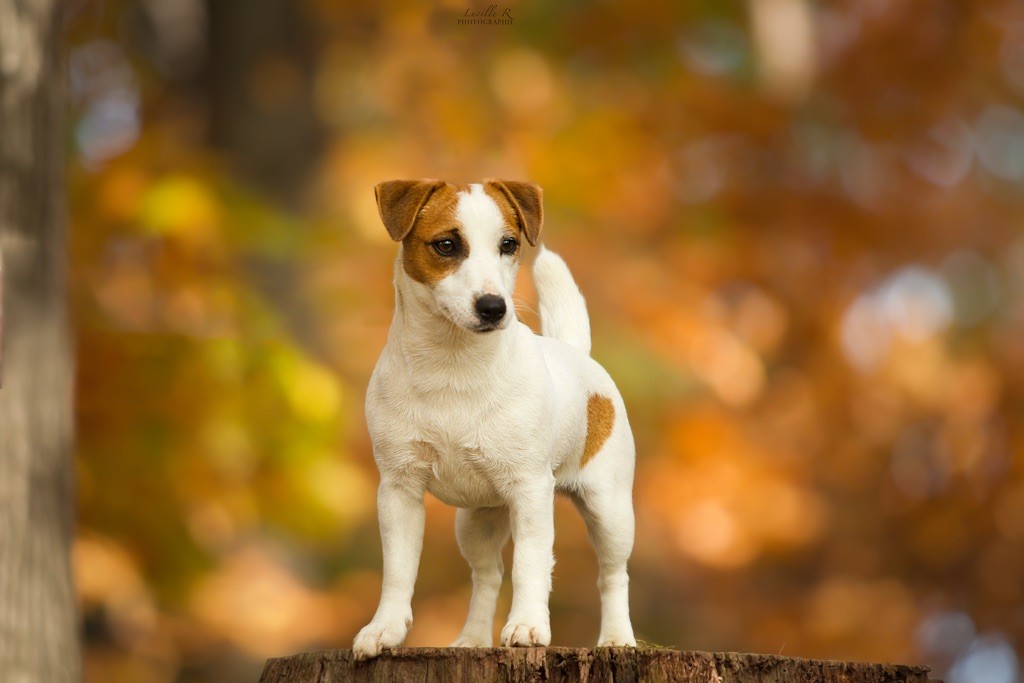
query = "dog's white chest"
{"x": 459, "y": 475}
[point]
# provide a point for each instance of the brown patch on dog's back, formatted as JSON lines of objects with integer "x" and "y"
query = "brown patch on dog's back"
{"x": 600, "y": 420}
{"x": 436, "y": 220}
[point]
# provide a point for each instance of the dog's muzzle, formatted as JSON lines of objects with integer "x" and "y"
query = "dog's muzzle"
{"x": 490, "y": 308}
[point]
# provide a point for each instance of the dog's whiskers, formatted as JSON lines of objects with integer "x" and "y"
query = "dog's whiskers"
{"x": 524, "y": 305}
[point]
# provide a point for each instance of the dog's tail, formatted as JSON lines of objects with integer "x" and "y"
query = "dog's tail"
{"x": 563, "y": 312}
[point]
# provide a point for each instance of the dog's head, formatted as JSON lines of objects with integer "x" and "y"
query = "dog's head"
{"x": 463, "y": 244}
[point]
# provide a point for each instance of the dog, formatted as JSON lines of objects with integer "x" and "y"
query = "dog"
{"x": 466, "y": 402}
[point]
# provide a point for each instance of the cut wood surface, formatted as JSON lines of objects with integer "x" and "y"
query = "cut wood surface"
{"x": 578, "y": 664}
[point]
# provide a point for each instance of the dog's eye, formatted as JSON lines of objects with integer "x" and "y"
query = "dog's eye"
{"x": 508, "y": 246}
{"x": 445, "y": 247}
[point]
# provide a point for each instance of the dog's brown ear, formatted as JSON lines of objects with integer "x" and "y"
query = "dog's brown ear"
{"x": 526, "y": 200}
{"x": 399, "y": 203}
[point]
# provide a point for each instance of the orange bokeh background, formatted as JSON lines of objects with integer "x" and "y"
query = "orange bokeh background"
{"x": 797, "y": 227}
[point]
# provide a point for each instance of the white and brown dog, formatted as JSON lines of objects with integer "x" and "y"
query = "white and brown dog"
{"x": 466, "y": 402}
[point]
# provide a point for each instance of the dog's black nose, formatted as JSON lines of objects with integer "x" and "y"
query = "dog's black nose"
{"x": 490, "y": 308}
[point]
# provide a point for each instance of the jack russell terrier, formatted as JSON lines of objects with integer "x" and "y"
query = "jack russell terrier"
{"x": 466, "y": 402}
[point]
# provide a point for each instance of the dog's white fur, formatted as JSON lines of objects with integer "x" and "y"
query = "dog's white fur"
{"x": 494, "y": 423}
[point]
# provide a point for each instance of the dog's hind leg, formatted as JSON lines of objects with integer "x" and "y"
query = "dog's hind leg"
{"x": 482, "y": 533}
{"x": 607, "y": 508}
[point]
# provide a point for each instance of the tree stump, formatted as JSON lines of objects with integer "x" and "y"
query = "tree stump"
{"x": 444, "y": 665}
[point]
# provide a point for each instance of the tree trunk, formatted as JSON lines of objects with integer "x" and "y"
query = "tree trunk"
{"x": 260, "y": 86}
{"x": 569, "y": 664}
{"x": 38, "y": 634}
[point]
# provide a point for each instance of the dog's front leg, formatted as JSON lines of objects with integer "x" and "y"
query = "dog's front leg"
{"x": 531, "y": 512}
{"x": 400, "y": 509}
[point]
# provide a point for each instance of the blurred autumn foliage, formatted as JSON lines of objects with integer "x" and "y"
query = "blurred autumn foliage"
{"x": 797, "y": 225}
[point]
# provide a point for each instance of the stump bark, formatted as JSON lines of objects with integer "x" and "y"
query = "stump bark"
{"x": 444, "y": 665}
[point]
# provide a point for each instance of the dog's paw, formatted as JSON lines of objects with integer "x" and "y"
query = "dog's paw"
{"x": 472, "y": 640}
{"x": 377, "y": 636}
{"x": 523, "y": 634}
{"x": 623, "y": 640}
